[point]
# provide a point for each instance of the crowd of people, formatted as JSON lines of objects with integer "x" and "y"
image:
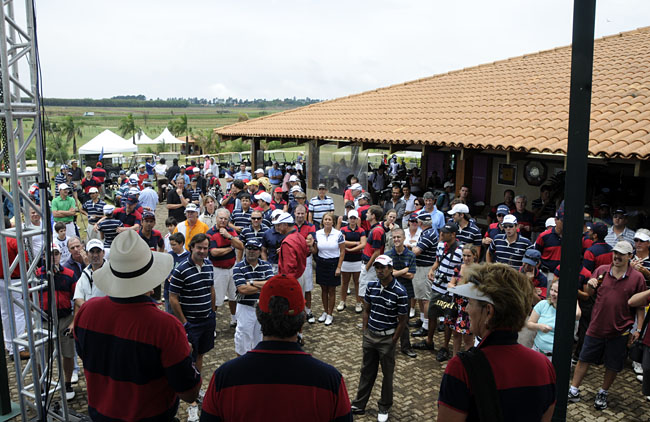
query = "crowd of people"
{"x": 407, "y": 261}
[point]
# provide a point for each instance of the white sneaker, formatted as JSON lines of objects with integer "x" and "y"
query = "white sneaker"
{"x": 341, "y": 306}
{"x": 75, "y": 377}
{"x": 639, "y": 378}
{"x": 201, "y": 396}
{"x": 412, "y": 313}
{"x": 382, "y": 417}
{"x": 349, "y": 290}
{"x": 358, "y": 308}
{"x": 69, "y": 393}
{"x": 637, "y": 368}
{"x": 329, "y": 319}
{"x": 193, "y": 413}
{"x": 323, "y": 317}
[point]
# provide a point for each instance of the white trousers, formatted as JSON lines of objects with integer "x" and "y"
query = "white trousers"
{"x": 19, "y": 315}
{"x": 365, "y": 278}
{"x": 249, "y": 331}
{"x": 224, "y": 285}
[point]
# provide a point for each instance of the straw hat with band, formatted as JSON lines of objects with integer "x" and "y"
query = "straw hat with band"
{"x": 133, "y": 269}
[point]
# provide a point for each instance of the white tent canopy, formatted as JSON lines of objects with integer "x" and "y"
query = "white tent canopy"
{"x": 142, "y": 138}
{"x": 167, "y": 137}
{"x": 108, "y": 142}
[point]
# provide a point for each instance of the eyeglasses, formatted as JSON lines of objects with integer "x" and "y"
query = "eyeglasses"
{"x": 256, "y": 218}
{"x": 639, "y": 240}
{"x": 508, "y": 226}
{"x": 252, "y": 249}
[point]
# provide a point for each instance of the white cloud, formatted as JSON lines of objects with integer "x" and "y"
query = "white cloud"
{"x": 302, "y": 48}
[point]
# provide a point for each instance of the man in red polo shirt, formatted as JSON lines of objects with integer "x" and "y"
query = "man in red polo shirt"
{"x": 100, "y": 174}
{"x": 292, "y": 257}
{"x": 612, "y": 319}
{"x": 128, "y": 215}
{"x": 223, "y": 242}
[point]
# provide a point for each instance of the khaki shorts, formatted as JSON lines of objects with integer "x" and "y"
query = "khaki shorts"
{"x": 224, "y": 285}
{"x": 422, "y": 284}
{"x": 67, "y": 342}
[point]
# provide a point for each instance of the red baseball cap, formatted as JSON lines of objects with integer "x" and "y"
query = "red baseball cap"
{"x": 99, "y": 163}
{"x": 286, "y": 287}
{"x": 278, "y": 190}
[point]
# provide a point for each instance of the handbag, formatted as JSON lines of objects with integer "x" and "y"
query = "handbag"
{"x": 635, "y": 351}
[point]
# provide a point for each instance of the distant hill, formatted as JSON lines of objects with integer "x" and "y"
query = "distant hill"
{"x": 142, "y": 101}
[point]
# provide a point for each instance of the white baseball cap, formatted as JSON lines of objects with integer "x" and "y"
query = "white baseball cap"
{"x": 383, "y": 260}
{"x": 509, "y": 219}
{"x": 264, "y": 196}
{"x": 276, "y": 212}
{"x": 642, "y": 235}
{"x": 108, "y": 209}
{"x": 63, "y": 186}
{"x": 94, "y": 243}
{"x": 623, "y": 247}
{"x": 293, "y": 178}
{"x": 88, "y": 169}
{"x": 356, "y": 186}
{"x": 259, "y": 171}
{"x": 285, "y": 217}
{"x": 550, "y": 222}
{"x": 458, "y": 208}
{"x": 295, "y": 189}
{"x": 93, "y": 190}
{"x": 353, "y": 213}
{"x": 191, "y": 208}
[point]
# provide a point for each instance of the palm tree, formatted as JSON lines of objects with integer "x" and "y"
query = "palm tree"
{"x": 57, "y": 149}
{"x": 207, "y": 139}
{"x": 128, "y": 126}
{"x": 179, "y": 127}
{"x": 70, "y": 130}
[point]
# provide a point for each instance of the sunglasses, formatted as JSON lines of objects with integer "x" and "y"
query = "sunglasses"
{"x": 256, "y": 218}
{"x": 253, "y": 249}
{"x": 508, "y": 226}
{"x": 639, "y": 240}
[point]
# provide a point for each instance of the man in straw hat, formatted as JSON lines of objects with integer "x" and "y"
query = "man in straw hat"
{"x": 136, "y": 358}
{"x": 284, "y": 382}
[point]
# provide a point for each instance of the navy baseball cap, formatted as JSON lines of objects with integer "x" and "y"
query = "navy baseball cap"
{"x": 532, "y": 257}
{"x": 253, "y": 244}
{"x": 503, "y": 209}
{"x": 424, "y": 216}
{"x": 132, "y": 199}
{"x": 600, "y": 229}
{"x": 449, "y": 228}
{"x": 148, "y": 215}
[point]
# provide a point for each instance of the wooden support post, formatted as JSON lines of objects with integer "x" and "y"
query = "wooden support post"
{"x": 255, "y": 161}
{"x": 464, "y": 169}
{"x": 313, "y": 159}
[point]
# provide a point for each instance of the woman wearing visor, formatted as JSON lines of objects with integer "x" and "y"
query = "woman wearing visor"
{"x": 500, "y": 299}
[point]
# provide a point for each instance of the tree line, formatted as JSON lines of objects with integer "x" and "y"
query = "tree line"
{"x": 142, "y": 101}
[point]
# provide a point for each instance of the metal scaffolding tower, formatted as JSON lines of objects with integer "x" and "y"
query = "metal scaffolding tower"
{"x": 40, "y": 381}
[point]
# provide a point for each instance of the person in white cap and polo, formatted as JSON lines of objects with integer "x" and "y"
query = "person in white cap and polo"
{"x": 93, "y": 209}
{"x": 64, "y": 208}
{"x": 384, "y": 318}
{"x": 264, "y": 200}
{"x": 124, "y": 339}
{"x": 107, "y": 228}
{"x": 510, "y": 247}
{"x": 86, "y": 288}
{"x": 468, "y": 231}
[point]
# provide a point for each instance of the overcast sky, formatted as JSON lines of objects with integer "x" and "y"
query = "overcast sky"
{"x": 284, "y": 48}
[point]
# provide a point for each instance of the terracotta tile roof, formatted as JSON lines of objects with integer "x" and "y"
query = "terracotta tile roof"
{"x": 519, "y": 104}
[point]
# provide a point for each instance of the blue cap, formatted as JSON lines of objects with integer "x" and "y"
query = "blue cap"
{"x": 132, "y": 199}
{"x": 148, "y": 214}
{"x": 532, "y": 257}
{"x": 559, "y": 214}
{"x": 503, "y": 209}
{"x": 424, "y": 216}
{"x": 253, "y": 244}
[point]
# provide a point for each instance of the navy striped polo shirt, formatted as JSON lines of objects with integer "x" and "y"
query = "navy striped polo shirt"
{"x": 470, "y": 235}
{"x": 598, "y": 254}
{"x": 386, "y": 304}
{"x": 272, "y": 241}
{"x": 193, "y": 285}
{"x": 109, "y": 228}
{"x": 95, "y": 210}
{"x": 509, "y": 253}
{"x": 196, "y": 194}
{"x": 244, "y": 272}
{"x": 241, "y": 218}
{"x": 58, "y": 179}
{"x": 449, "y": 260}
{"x": 352, "y": 236}
{"x": 428, "y": 242}
{"x": 319, "y": 207}
{"x": 249, "y": 233}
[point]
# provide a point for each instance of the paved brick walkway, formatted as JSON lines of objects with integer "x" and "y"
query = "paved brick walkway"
{"x": 416, "y": 380}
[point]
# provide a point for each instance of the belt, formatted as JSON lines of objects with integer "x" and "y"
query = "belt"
{"x": 382, "y": 333}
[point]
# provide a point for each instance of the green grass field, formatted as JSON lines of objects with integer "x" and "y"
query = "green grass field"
{"x": 152, "y": 120}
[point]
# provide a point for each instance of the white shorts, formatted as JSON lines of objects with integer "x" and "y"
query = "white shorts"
{"x": 365, "y": 278}
{"x": 224, "y": 285}
{"x": 351, "y": 267}
{"x": 91, "y": 233}
{"x": 422, "y": 284}
{"x": 107, "y": 252}
{"x": 306, "y": 280}
{"x": 249, "y": 331}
